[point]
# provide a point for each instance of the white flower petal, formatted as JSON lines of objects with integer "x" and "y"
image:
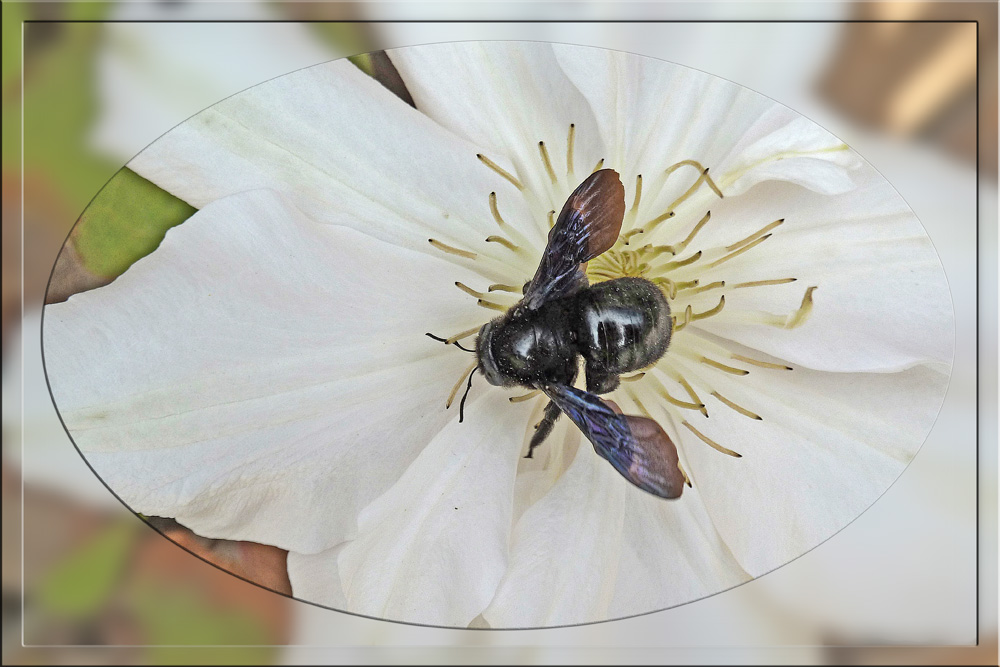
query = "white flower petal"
{"x": 250, "y": 376}
{"x": 828, "y": 446}
{"x": 315, "y": 577}
{"x": 654, "y": 113}
{"x": 432, "y": 549}
{"x": 345, "y": 151}
{"x": 784, "y": 146}
{"x": 882, "y": 303}
{"x": 506, "y": 96}
{"x": 594, "y": 547}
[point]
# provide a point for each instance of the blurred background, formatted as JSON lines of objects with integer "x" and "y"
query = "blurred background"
{"x": 85, "y": 581}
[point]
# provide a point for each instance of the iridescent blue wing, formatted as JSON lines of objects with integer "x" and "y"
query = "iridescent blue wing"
{"x": 588, "y": 225}
{"x": 637, "y": 447}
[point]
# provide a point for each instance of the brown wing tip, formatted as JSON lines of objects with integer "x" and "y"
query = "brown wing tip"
{"x": 600, "y": 199}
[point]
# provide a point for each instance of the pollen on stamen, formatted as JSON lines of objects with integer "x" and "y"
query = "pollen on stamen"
{"x": 444, "y": 247}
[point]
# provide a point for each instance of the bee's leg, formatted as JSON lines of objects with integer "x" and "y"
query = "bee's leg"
{"x": 600, "y": 380}
{"x": 544, "y": 427}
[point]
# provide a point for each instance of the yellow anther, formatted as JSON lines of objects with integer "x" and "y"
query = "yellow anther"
{"x": 497, "y": 287}
{"x": 600, "y": 163}
{"x": 496, "y": 211}
{"x": 461, "y": 379}
{"x": 464, "y": 334}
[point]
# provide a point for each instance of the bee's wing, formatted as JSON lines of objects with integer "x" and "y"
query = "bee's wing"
{"x": 588, "y": 225}
{"x": 637, "y": 447}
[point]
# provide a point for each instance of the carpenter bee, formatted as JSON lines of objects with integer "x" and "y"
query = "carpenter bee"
{"x": 617, "y": 326}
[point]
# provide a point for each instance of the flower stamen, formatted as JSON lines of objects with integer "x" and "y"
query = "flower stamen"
{"x": 738, "y": 408}
{"x": 679, "y": 247}
{"x": 763, "y": 283}
{"x": 504, "y": 242}
{"x": 548, "y": 163}
{"x": 712, "y": 311}
{"x": 662, "y": 391}
{"x": 569, "y": 149}
{"x": 712, "y": 443}
{"x": 757, "y": 234}
{"x": 497, "y": 287}
{"x": 600, "y": 163}
{"x": 638, "y": 194}
{"x": 461, "y": 379}
{"x": 704, "y": 288}
{"x": 496, "y": 211}
{"x": 552, "y": 218}
{"x": 500, "y": 170}
{"x": 669, "y": 266}
{"x": 722, "y": 367}
{"x": 632, "y": 378}
{"x": 524, "y": 397}
{"x": 444, "y": 247}
{"x": 468, "y": 290}
{"x": 492, "y": 306}
{"x": 762, "y": 364}
{"x": 736, "y": 253}
{"x": 461, "y": 335}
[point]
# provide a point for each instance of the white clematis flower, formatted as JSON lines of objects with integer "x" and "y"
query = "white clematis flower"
{"x": 264, "y": 374}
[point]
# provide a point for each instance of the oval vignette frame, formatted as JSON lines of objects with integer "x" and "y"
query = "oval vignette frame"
{"x": 408, "y": 622}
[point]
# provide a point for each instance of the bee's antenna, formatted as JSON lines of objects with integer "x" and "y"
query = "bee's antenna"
{"x": 461, "y": 406}
{"x": 455, "y": 343}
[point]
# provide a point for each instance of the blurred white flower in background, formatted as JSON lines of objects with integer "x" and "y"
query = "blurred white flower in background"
{"x": 263, "y": 375}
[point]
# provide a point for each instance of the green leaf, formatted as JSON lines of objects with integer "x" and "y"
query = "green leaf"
{"x": 125, "y": 222}
{"x": 81, "y": 584}
{"x": 183, "y": 616}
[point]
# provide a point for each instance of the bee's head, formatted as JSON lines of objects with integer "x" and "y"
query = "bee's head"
{"x": 484, "y": 350}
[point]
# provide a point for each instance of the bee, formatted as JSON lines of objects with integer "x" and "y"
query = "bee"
{"x": 616, "y": 326}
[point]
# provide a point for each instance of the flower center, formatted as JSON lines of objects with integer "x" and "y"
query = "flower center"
{"x": 695, "y": 366}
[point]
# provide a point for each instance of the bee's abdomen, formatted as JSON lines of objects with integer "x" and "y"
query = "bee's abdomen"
{"x": 624, "y": 324}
